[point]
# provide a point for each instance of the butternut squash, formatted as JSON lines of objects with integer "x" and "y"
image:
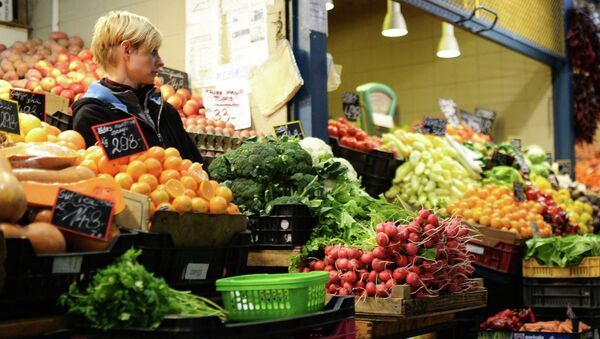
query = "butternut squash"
{"x": 67, "y": 175}
{"x": 13, "y": 201}
{"x": 79, "y": 243}
{"x": 45, "y": 238}
{"x": 44, "y": 194}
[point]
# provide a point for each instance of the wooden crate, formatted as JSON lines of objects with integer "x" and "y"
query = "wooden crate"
{"x": 271, "y": 258}
{"x": 367, "y": 328}
{"x": 401, "y": 305}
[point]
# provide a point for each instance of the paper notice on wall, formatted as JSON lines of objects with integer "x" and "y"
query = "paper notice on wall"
{"x": 318, "y": 16}
{"x": 247, "y": 34}
{"x": 231, "y": 5}
{"x": 233, "y": 75}
{"x": 228, "y": 105}
{"x": 203, "y": 52}
{"x": 198, "y": 11}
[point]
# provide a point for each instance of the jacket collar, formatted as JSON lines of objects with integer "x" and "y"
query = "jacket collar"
{"x": 98, "y": 91}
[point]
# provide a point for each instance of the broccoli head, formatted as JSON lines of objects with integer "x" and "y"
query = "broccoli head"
{"x": 219, "y": 169}
{"x": 294, "y": 158}
{"x": 247, "y": 194}
{"x": 252, "y": 160}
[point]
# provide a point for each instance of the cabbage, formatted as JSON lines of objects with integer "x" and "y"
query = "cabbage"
{"x": 319, "y": 151}
{"x": 536, "y": 154}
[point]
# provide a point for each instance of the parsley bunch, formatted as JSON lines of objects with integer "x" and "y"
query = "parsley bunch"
{"x": 125, "y": 294}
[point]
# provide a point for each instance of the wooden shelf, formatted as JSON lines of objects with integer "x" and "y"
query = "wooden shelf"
{"x": 271, "y": 258}
{"x": 32, "y": 327}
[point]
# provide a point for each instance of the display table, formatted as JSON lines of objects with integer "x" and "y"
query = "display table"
{"x": 32, "y": 327}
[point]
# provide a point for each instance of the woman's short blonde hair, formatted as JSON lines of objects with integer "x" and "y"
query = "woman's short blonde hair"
{"x": 117, "y": 26}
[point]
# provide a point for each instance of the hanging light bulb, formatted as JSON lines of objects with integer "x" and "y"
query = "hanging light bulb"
{"x": 393, "y": 23}
{"x": 448, "y": 46}
{"x": 329, "y": 5}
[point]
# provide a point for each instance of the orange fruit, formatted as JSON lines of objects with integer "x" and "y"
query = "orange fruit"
{"x": 172, "y": 152}
{"x": 164, "y": 206}
{"x": 189, "y": 182}
{"x": 136, "y": 168}
{"x": 160, "y": 187}
{"x": 152, "y": 209}
{"x": 225, "y": 192}
{"x": 141, "y": 188}
{"x": 124, "y": 180}
{"x": 199, "y": 205}
{"x": 159, "y": 196}
{"x": 37, "y": 134}
{"x": 106, "y": 176}
{"x": 190, "y": 193}
{"x": 156, "y": 152}
{"x": 91, "y": 164}
{"x": 140, "y": 156}
{"x": 149, "y": 179}
{"x": 50, "y": 130}
{"x": 175, "y": 188}
{"x": 52, "y": 138}
{"x": 153, "y": 166}
{"x": 217, "y": 205}
{"x": 197, "y": 172}
{"x": 107, "y": 166}
{"x": 233, "y": 209}
{"x": 123, "y": 168}
{"x": 123, "y": 160}
{"x": 172, "y": 162}
{"x": 215, "y": 184}
{"x": 72, "y": 137}
{"x": 182, "y": 204}
{"x": 206, "y": 190}
{"x": 167, "y": 175}
{"x": 185, "y": 164}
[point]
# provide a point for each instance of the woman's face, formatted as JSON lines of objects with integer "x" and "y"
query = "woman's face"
{"x": 143, "y": 66}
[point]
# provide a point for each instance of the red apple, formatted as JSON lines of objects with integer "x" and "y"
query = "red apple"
{"x": 77, "y": 88}
{"x": 33, "y": 73}
{"x": 64, "y": 81}
{"x": 87, "y": 80}
{"x": 76, "y": 76}
{"x": 67, "y": 93}
{"x": 190, "y": 108}
{"x": 48, "y": 83}
{"x": 175, "y": 100}
{"x": 38, "y": 89}
{"x": 31, "y": 84}
{"x": 56, "y": 90}
{"x": 85, "y": 54}
{"x": 54, "y": 72}
{"x": 185, "y": 93}
{"x": 76, "y": 65}
{"x": 62, "y": 57}
{"x": 166, "y": 91}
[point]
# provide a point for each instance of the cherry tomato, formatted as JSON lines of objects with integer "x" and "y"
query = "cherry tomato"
{"x": 361, "y": 135}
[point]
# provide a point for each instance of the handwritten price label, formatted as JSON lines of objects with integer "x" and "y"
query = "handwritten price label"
{"x": 351, "y": 105}
{"x": 9, "y": 116}
{"x": 292, "y": 129}
{"x": 78, "y": 213}
{"x": 120, "y": 138}
{"x": 228, "y": 105}
{"x": 30, "y": 102}
{"x": 175, "y": 78}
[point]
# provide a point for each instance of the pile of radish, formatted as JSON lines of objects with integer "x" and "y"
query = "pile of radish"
{"x": 428, "y": 254}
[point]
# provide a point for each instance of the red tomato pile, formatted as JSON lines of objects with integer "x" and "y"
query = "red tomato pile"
{"x": 352, "y": 136}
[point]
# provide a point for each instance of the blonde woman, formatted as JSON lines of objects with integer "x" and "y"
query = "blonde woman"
{"x": 126, "y": 46}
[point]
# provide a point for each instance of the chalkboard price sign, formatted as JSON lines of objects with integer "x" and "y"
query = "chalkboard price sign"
{"x": 522, "y": 164}
{"x": 120, "y": 138}
{"x": 9, "y": 116}
{"x": 487, "y": 119}
{"x": 516, "y": 142}
{"x": 519, "y": 191}
{"x": 175, "y": 78}
{"x": 501, "y": 159}
{"x": 292, "y": 129}
{"x": 471, "y": 120}
{"x": 30, "y": 102}
{"x": 78, "y": 213}
{"x": 351, "y": 105}
{"x": 434, "y": 126}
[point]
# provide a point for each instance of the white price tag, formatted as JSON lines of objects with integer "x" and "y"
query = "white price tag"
{"x": 196, "y": 271}
{"x": 383, "y": 120}
{"x": 475, "y": 249}
{"x": 228, "y": 105}
{"x": 67, "y": 264}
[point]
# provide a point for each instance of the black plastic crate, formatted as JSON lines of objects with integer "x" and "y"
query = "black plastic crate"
{"x": 193, "y": 268}
{"x": 34, "y": 281}
{"x": 288, "y": 226}
{"x": 577, "y": 292}
{"x": 376, "y": 185}
{"x": 336, "y": 321}
{"x": 60, "y": 120}
{"x": 382, "y": 164}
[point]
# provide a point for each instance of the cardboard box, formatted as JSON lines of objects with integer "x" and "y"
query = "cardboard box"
{"x": 136, "y": 214}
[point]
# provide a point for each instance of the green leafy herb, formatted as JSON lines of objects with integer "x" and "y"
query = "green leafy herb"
{"x": 125, "y": 294}
{"x": 563, "y": 251}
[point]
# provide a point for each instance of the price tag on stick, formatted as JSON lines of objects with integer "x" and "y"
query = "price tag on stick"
{"x": 471, "y": 120}
{"x": 81, "y": 214}
{"x": 564, "y": 166}
{"x": 351, "y": 105}
{"x": 519, "y": 191}
{"x": 30, "y": 102}
{"x": 434, "y": 126}
{"x": 292, "y": 129}
{"x": 120, "y": 138}
{"x": 9, "y": 116}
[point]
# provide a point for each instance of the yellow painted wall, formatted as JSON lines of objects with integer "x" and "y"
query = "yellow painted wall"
{"x": 485, "y": 75}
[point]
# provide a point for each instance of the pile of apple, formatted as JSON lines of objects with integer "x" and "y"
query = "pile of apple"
{"x": 60, "y": 65}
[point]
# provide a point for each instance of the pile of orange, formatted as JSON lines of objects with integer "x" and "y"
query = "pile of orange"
{"x": 172, "y": 183}
{"x": 35, "y": 130}
{"x": 494, "y": 206}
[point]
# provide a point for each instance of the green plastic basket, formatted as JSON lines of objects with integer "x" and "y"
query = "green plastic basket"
{"x": 271, "y": 296}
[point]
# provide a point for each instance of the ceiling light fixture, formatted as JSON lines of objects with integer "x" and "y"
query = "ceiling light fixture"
{"x": 448, "y": 46}
{"x": 329, "y": 5}
{"x": 393, "y": 23}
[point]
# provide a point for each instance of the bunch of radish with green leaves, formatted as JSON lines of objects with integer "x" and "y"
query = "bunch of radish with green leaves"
{"x": 428, "y": 254}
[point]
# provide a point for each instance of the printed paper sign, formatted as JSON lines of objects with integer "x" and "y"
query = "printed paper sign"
{"x": 228, "y": 105}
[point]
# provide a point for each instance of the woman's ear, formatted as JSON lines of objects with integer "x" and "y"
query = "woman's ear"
{"x": 126, "y": 47}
